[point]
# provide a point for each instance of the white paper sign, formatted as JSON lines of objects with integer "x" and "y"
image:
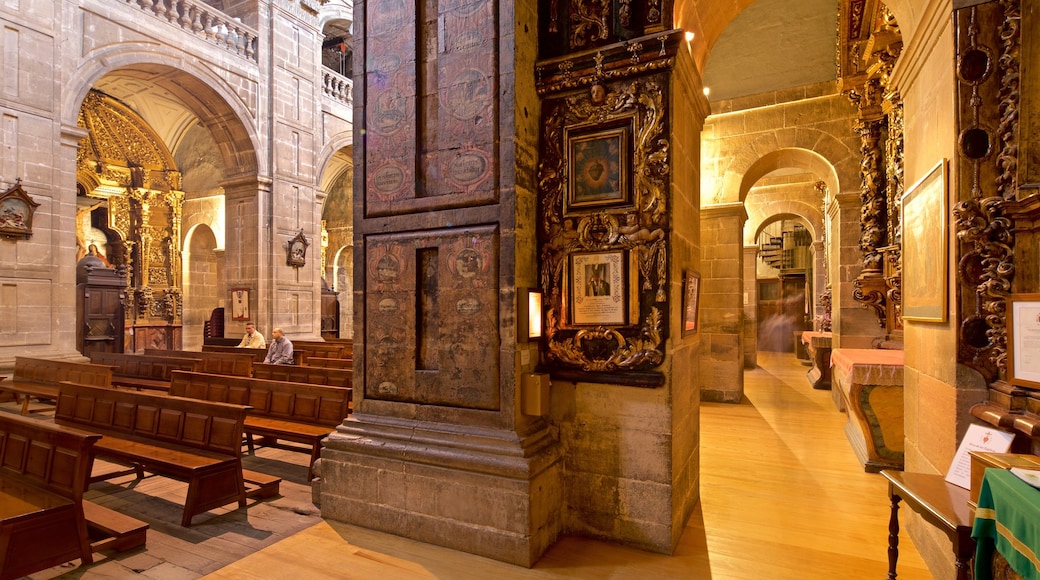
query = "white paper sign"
{"x": 978, "y": 438}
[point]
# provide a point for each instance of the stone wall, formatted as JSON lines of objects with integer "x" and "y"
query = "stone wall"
{"x": 722, "y": 303}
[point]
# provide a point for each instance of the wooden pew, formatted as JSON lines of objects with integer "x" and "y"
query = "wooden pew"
{"x": 189, "y": 440}
{"x": 37, "y": 378}
{"x": 313, "y": 348}
{"x": 44, "y": 469}
{"x": 258, "y": 354}
{"x": 238, "y": 364}
{"x": 139, "y": 371}
{"x": 304, "y": 374}
{"x": 330, "y": 363}
{"x": 291, "y": 411}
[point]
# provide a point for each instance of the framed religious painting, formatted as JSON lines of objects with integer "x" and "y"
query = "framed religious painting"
{"x": 598, "y": 289}
{"x": 16, "y": 212}
{"x": 599, "y": 166}
{"x": 691, "y": 302}
{"x": 296, "y": 251}
{"x": 1023, "y": 341}
{"x": 925, "y": 248}
{"x": 240, "y": 304}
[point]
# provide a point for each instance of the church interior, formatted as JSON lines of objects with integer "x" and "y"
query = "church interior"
{"x": 530, "y": 289}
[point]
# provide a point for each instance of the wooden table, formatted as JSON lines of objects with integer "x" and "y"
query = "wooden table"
{"x": 870, "y": 386}
{"x": 941, "y": 504}
{"x": 819, "y": 346}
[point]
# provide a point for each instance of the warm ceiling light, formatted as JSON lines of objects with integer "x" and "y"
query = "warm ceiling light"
{"x": 689, "y": 36}
{"x": 707, "y": 91}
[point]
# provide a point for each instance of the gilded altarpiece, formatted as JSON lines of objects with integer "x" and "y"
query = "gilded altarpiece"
{"x": 130, "y": 186}
{"x": 613, "y": 248}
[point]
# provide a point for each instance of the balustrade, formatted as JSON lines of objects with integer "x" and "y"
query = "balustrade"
{"x": 206, "y": 22}
{"x": 337, "y": 87}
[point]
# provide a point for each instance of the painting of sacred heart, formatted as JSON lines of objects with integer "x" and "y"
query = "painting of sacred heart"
{"x": 599, "y": 167}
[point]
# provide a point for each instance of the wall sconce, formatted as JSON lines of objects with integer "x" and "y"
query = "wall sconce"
{"x": 690, "y": 35}
{"x": 529, "y": 317}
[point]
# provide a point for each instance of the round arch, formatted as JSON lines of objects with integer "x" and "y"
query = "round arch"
{"x": 220, "y": 109}
{"x": 789, "y": 157}
{"x": 772, "y": 219}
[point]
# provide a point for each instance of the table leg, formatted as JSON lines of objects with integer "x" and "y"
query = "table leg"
{"x": 963, "y": 568}
{"x": 893, "y": 538}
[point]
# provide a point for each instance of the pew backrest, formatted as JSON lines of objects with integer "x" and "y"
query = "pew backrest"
{"x": 330, "y": 363}
{"x": 144, "y": 366}
{"x": 312, "y": 404}
{"x": 315, "y": 348}
{"x": 210, "y": 426}
{"x": 258, "y": 354}
{"x": 221, "y": 363}
{"x": 46, "y": 455}
{"x": 304, "y": 374}
{"x": 53, "y": 372}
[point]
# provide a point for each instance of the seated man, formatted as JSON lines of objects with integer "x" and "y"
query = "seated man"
{"x": 280, "y": 350}
{"x": 252, "y": 339}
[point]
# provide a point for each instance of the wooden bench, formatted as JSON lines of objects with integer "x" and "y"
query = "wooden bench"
{"x": 37, "y": 378}
{"x": 44, "y": 469}
{"x": 304, "y": 374}
{"x": 330, "y": 363}
{"x": 312, "y": 348}
{"x": 239, "y": 364}
{"x": 291, "y": 411}
{"x": 139, "y": 371}
{"x": 194, "y": 441}
{"x": 258, "y": 354}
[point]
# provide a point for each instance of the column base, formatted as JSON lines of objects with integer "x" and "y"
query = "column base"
{"x": 493, "y": 493}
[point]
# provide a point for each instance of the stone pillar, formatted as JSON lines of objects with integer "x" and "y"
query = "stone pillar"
{"x": 853, "y": 325}
{"x": 247, "y": 243}
{"x": 438, "y": 449}
{"x": 722, "y": 302}
{"x": 750, "y": 300}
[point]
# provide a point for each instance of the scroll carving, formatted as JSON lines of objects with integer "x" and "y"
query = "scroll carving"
{"x": 638, "y": 227}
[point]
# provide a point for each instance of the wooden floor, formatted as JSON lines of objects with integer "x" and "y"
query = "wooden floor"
{"x": 782, "y": 498}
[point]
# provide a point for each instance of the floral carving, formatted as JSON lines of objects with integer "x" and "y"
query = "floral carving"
{"x": 589, "y": 22}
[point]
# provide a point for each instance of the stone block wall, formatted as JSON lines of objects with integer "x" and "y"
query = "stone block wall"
{"x": 722, "y": 303}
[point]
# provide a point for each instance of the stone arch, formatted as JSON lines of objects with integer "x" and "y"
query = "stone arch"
{"x": 220, "y": 109}
{"x": 751, "y": 170}
{"x": 771, "y": 211}
{"x": 203, "y": 282}
{"x": 334, "y": 158}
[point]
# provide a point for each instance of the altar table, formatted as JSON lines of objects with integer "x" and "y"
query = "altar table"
{"x": 819, "y": 346}
{"x": 870, "y": 390}
{"x": 1007, "y": 521}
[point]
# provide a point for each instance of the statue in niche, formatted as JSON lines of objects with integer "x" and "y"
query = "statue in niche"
{"x": 93, "y": 250}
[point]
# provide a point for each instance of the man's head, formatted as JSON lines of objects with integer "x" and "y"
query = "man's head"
{"x": 250, "y": 328}
{"x": 276, "y": 333}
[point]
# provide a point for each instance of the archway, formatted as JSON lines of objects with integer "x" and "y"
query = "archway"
{"x": 204, "y": 286}
{"x": 338, "y": 243}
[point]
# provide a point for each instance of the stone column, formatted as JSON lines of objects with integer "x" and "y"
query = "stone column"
{"x": 438, "y": 449}
{"x": 247, "y": 243}
{"x": 852, "y": 324}
{"x": 722, "y": 302}
{"x": 750, "y": 300}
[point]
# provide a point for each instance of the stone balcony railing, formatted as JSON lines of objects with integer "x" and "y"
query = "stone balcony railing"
{"x": 205, "y": 22}
{"x": 337, "y": 87}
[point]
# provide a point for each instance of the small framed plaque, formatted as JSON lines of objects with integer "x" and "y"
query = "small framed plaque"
{"x": 691, "y": 302}
{"x": 598, "y": 289}
{"x": 1023, "y": 328}
{"x": 240, "y": 304}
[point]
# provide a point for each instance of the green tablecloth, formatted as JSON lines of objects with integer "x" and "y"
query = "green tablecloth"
{"x": 1007, "y": 519}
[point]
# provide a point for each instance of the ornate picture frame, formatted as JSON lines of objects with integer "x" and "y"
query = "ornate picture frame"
{"x": 296, "y": 251}
{"x": 1023, "y": 330}
{"x": 598, "y": 293}
{"x": 628, "y": 222}
{"x": 691, "y": 303}
{"x": 925, "y": 230}
{"x": 599, "y": 166}
{"x": 16, "y": 212}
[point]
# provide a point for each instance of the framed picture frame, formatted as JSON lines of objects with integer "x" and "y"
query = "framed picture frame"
{"x": 16, "y": 212}
{"x": 240, "y": 304}
{"x": 598, "y": 289}
{"x": 296, "y": 251}
{"x": 1023, "y": 329}
{"x": 691, "y": 303}
{"x": 599, "y": 166}
{"x": 925, "y": 229}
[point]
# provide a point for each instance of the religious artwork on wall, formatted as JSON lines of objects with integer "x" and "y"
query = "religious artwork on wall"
{"x": 598, "y": 167}
{"x": 598, "y": 295}
{"x": 240, "y": 304}
{"x": 691, "y": 302}
{"x": 1023, "y": 318}
{"x": 603, "y": 178}
{"x": 16, "y": 212}
{"x": 296, "y": 251}
{"x": 925, "y": 248}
